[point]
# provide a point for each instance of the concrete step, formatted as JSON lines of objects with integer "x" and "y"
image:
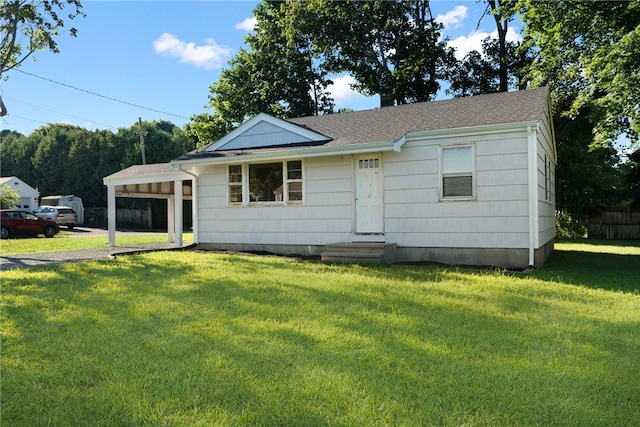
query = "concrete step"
{"x": 348, "y": 252}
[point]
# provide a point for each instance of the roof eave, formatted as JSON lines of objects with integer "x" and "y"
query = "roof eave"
{"x": 465, "y": 131}
{"x": 146, "y": 178}
{"x": 290, "y": 154}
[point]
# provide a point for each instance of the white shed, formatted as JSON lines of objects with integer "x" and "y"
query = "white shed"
{"x": 70, "y": 201}
{"x": 28, "y": 195}
{"x": 463, "y": 181}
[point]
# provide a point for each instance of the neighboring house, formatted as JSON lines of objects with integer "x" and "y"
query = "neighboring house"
{"x": 28, "y": 195}
{"x": 463, "y": 181}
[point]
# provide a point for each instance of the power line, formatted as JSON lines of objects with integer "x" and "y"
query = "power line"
{"x": 59, "y": 112}
{"x": 99, "y": 95}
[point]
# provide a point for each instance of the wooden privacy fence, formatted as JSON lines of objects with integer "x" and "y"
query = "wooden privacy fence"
{"x": 615, "y": 224}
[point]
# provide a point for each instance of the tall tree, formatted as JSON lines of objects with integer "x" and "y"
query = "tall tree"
{"x": 587, "y": 51}
{"x": 392, "y": 48}
{"x": 499, "y": 11}
{"x": 277, "y": 75}
{"x": 27, "y": 26}
{"x": 480, "y": 73}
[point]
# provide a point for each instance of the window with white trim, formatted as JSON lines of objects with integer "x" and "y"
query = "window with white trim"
{"x": 547, "y": 178}
{"x": 266, "y": 183}
{"x": 294, "y": 181}
{"x": 456, "y": 167}
{"x": 235, "y": 184}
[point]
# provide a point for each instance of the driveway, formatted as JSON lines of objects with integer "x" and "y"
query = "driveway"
{"x": 39, "y": 259}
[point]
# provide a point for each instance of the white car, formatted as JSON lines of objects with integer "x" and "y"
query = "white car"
{"x": 63, "y": 215}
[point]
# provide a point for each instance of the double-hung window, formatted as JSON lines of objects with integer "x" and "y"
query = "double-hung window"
{"x": 266, "y": 183}
{"x": 235, "y": 184}
{"x": 457, "y": 171}
{"x": 547, "y": 178}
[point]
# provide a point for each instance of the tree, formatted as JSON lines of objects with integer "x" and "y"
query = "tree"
{"x": 278, "y": 75}
{"x": 587, "y": 51}
{"x": 631, "y": 170}
{"x": 65, "y": 159}
{"x": 480, "y": 73}
{"x": 391, "y": 48}
{"x": 27, "y": 26}
{"x": 9, "y": 198}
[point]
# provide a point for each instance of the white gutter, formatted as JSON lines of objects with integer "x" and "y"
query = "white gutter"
{"x": 533, "y": 193}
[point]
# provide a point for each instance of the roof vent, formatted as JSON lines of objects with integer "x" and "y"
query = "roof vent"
{"x": 387, "y": 100}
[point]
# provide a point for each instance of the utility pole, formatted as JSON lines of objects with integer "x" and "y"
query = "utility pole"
{"x": 142, "y": 134}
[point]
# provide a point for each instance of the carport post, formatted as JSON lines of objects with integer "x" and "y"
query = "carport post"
{"x": 111, "y": 214}
{"x": 170, "y": 221}
{"x": 177, "y": 190}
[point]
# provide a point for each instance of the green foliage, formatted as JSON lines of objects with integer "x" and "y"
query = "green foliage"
{"x": 199, "y": 338}
{"x": 479, "y": 73}
{"x": 631, "y": 170}
{"x": 587, "y": 176}
{"x": 390, "y": 47}
{"x": 568, "y": 227}
{"x": 9, "y": 198}
{"x": 27, "y": 26}
{"x": 587, "y": 51}
{"x": 277, "y": 75}
{"x": 64, "y": 159}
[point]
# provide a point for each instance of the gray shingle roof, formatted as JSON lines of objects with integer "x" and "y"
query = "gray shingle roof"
{"x": 391, "y": 123}
{"x": 138, "y": 170}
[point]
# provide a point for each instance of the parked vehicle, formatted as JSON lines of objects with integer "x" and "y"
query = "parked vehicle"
{"x": 69, "y": 201}
{"x": 21, "y": 222}
{"x": 63, "y": 215}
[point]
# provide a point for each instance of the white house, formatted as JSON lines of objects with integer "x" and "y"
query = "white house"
{"x": 28, "y": 195}
{"x": 463, "y": 181}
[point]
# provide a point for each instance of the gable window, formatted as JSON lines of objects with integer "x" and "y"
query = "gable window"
{"x": 269, "y": 183}
{"x": 456, "y": 167}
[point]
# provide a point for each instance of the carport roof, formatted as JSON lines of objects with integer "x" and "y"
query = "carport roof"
{"x": 157, "y": 172}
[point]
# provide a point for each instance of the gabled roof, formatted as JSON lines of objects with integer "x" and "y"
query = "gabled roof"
{"x": 385, "y": 126}
{"x": 156, "y": 172}
{"x": 263, "y": 131}
{"x": 24, "y": 188}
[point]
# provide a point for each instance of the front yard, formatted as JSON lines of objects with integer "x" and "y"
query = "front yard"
{"x": 196, "y": 338}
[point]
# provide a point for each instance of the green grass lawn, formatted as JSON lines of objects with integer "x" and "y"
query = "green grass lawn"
{"x": 64, "y": 242}
{"x": 197, "y": 338}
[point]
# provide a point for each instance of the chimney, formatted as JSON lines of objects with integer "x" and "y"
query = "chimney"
{"x": 387, "y": 100}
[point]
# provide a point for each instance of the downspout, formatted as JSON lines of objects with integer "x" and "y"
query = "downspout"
{"x": 194, "y": 201}
{"x": 533, "y": 194}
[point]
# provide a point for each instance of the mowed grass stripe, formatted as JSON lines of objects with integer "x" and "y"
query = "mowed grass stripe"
{"x": 197, "y": 338}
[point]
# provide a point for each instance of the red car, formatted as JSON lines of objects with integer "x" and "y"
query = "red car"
{"x": 20, "y": 222}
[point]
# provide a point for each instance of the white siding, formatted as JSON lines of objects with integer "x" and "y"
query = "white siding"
{"x": 496, "y": 218}
{"x": 414, "y": 214}
{"x": 546, "y": 209}
{"x": 325, "y": 217}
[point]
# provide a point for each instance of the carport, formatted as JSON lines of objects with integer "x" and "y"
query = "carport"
{"x": 156, "y": 181}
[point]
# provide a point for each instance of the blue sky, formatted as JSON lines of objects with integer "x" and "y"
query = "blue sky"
{"x": 162, "y": 56}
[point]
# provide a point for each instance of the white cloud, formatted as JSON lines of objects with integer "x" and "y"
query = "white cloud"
{"x": 341, "y": 90}
{"x": 208, "y": 56}
{"x": 454, "y": 17}
{"x": 247, "y": 25}
{"x": 465, "y": 44}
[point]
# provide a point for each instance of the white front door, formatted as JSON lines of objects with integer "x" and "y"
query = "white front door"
{"x": 369, "y": 197}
